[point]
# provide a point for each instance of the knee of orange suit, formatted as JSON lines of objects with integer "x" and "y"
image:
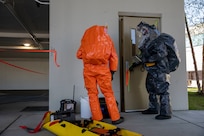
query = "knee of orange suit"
{"x": 95, "y": 107}
{"x": 92, "y": 90}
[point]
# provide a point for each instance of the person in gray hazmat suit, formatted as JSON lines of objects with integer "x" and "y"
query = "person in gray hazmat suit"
{"x": 158, "y": 60}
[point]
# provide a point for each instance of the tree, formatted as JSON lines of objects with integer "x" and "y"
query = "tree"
{"x": 194, "y": 10}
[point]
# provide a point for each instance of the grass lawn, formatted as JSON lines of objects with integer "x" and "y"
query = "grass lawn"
{"x": 196, "y": 101}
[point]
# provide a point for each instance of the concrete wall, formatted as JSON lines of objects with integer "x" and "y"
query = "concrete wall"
{"x": 70, "y": 18}
{"x": 24, "y": 77}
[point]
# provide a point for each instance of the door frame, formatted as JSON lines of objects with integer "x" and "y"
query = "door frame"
{"x": 121, "y": 15}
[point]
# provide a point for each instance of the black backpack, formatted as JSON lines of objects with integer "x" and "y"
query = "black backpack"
{"x": 173, "y": 54}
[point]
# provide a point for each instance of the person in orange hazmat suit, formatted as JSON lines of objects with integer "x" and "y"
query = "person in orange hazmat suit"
{"x": 100, "y": 62}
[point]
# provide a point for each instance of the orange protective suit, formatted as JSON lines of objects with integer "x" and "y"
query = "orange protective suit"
{"x": 99, "y": 58}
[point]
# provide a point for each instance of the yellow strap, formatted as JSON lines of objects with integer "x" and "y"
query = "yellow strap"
{"x": 150, "y": 64}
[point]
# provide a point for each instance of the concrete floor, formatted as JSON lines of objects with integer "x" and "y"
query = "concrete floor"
{"x": 183, "y": 123}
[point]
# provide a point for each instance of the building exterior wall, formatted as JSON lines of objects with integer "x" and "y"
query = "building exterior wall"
{"x": 191, "y": 75}
{"x": 70, "y": 18}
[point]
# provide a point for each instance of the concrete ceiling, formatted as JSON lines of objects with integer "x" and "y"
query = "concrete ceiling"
{"x": 24, "y": 21}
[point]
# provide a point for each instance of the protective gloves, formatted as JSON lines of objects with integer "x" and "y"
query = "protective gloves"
{"x": 135, "y": 64}
{"x": 112, "y": 73}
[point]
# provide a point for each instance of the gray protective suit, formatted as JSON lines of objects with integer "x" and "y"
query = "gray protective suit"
{"x": 154, "y": 57}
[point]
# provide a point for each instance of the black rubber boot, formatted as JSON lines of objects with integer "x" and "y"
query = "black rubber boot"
{"x": 150, "y": 111}
{"x": 165, "y": 107}
{"x": 118, "y": 121}
{"x": 153, "y": 105}
{"x": 162, "y": 117}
